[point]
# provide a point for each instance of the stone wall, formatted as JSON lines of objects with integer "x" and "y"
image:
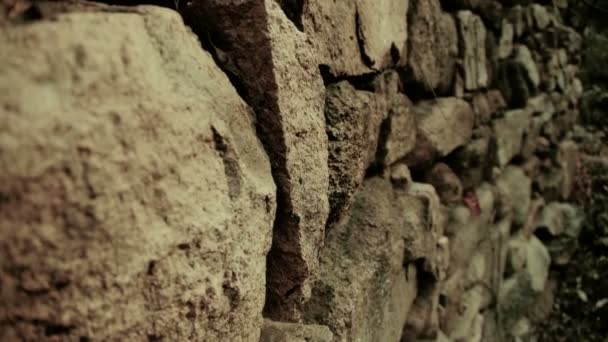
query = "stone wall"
{"x": 285, "y": 170}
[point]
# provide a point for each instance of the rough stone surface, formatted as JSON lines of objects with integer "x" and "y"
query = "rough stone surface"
{"x": 509, "y": 134}
{"x": 139, "y": 203}
{"x": 472, "y": 34}
{"x": 353, "y": 124}
{"x": 446, "y": 183}
{"x": 433, "y": 45}
{"x": 411, "y": 181}
{"x": 398, "y": 135}
{"x": 519, "y": 291}
{"x": 486, "y": 104}
{"x": 442, "y": 125}
{"x": 357, "y": 37}
{"x": 258, "y": 44}
{"x": 294, "y": 332}
{"x": 523, "y": 56}
{"x": 517, "y": 189}
{"x": 505, "y": 44}
{"x": 357, "y": 294}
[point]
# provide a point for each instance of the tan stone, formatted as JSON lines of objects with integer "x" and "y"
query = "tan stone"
{"x": 277, "y": 68}
{"x": 442, "y": 125}
{"x": 356, "y": 37}
{"x": 294, "y": 332}
{"x": 140, "y": 201}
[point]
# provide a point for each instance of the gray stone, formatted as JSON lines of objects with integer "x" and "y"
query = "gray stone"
{"x": 465, "y": 325}
{"x": 472, "y": 34}
{"x": 295, "y": 332}
{"x": 356, "y": 37}
{"x": 485, "y": 104}
{"x": 135, "y": 180}
{"x": 542, "y": 19}
{"x": 398, "y": 136}
{"x": 442, "y": 125}
{"x": 401, "y": 177}
{"x": 446, "y": 183}
{"x": 516, "y": 188}
{"x": 467, "y": 229}
{"x": 523, "y": 56}
{"x": 473, "y": 162}
{"x": 516, "y": 16}
{"x": 363, "y": 292}
{"x": 433, "y": 45}
{"x": 519, "y": 291}
{"x": 509, "y": 133}
{"x": 561, "y": 218}
{"x": 505, "y": 43}
{"x": 353, "y": 124}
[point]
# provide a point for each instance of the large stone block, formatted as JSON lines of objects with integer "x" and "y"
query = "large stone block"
{"x": 472, "y": 35}
{"x": 277, "y": 72}
{"x": 137, "y": 201}
{"x": 363, "y": 291}
{"x": 353, "y": 126}
{"x": 442, "y": 125}
{"x": 519, "y": 291}
{"x": 433, "y": 45}
{"x": 357, "y": 37}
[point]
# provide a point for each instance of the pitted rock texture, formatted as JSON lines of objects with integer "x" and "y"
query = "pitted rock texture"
{"x": 363, "y": 292}
{"x": 442, "y": 125}
{"x": 257, "y": 43}
{"x": 138, "y": 201}
{"x": 433, "y": 45}
{"x": 357, "y": 37}
{"x": 472, "y": 35}
{"x": 314, "y": 170}
{"x": 353, "y": 124}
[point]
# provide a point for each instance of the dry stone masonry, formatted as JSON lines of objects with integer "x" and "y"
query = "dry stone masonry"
{"x": 285, "y": 170}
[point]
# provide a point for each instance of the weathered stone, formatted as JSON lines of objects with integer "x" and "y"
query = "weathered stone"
{"x": 467, "y": 229}
{"x": 259, "y": 45}
{"x": 401, "y": 177}
{"x": 472, "y": 34}
{"x": 465, "y": 322}
{"x": 517, "y": 188}
{"x": 523, "y": 56}
{"x": 516, "y": 16}
{"x": 505, "y": 44}
{"x": 398, "y": 134}
{"x": 485, "y": 104}
{"x": 567, "y": 158}
{"x": 363, "y": 292}
{"x": 357, "y": 37}
{"x": 294, "y": 332}
{"x": 519, "y": 291}
{"x": 473, "y": 162}
{"x": 442, "y": 125}
{"x": 509, "y": 133}
{"x": 423, "y": 319}
{"x": 140, "y": 202}
{"x": 514, "y": 79}
{"x": 426, "y": 214}
{"x": 353, "y": 124}
{"x": 446, "y": 183}
{"x": 433, "y": 45}
{"x": 560, "y": 218}
{"x": 542, "y": 19}
{"x": 543, "y": 304}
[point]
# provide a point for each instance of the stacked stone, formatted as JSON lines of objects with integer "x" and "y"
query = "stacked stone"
{"x": 403, "y": 157}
